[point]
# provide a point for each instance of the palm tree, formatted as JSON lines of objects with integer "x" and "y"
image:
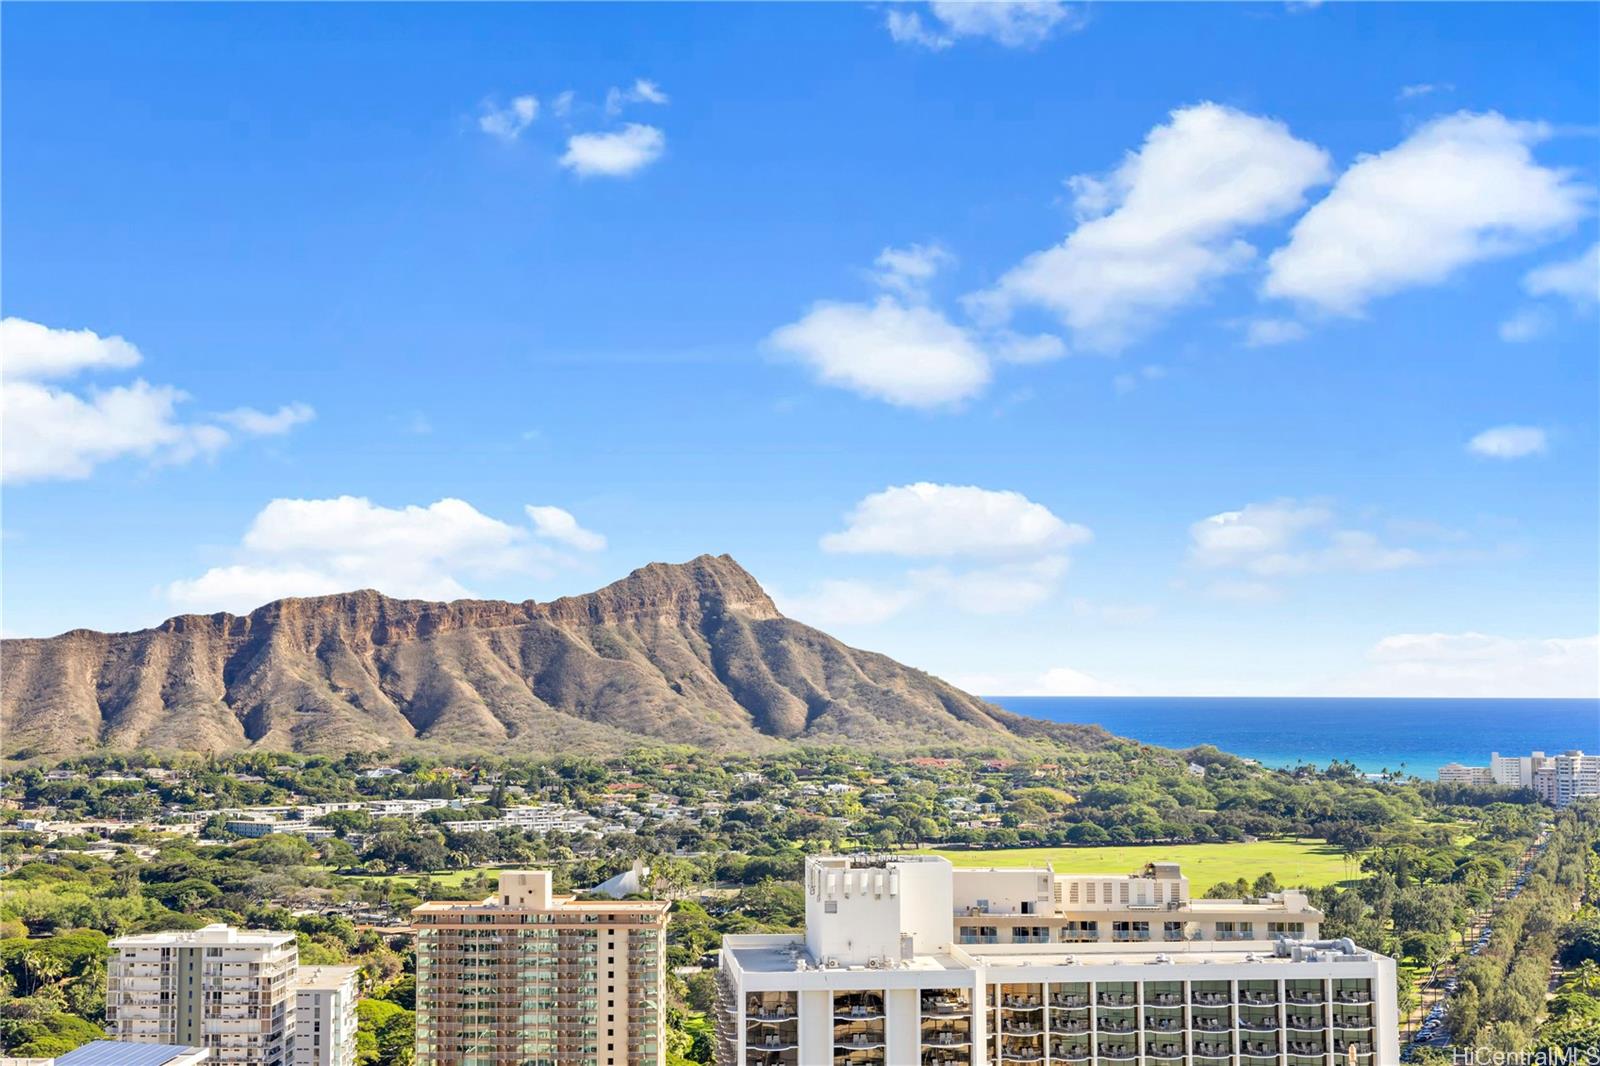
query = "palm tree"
{"x": 43, "y": 966}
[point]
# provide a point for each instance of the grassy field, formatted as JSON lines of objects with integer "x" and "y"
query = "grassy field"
{"x": 444, "y": 879}
{"x": 1307, "y": 862}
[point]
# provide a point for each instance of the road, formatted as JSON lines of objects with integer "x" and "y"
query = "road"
{"x": 1425, "y": 1026}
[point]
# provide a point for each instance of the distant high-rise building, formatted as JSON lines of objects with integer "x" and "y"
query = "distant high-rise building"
{"x": 1516, "y": 771}
{"x": 325, "y": 1016}
{"x": 529, "y": 978}
{"x": 1557, "y": 779}
{"x": 228, "y": 990}
{"x": 1453, "y": 773}
{"x": 879, "y": 979}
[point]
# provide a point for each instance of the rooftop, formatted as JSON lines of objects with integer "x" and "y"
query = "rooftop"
{"x": 120, "y": 1053}
{"x": 328, "y": 978}
{"x": 782, "y": 953}
{"x": 557, "y": 903}
{"x": 210, "y": 935}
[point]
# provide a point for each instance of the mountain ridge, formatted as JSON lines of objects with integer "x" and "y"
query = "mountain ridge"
{"x": 691, "y": 652}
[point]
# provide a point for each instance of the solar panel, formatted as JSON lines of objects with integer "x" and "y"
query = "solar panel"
{"x": 120, "y": 1053}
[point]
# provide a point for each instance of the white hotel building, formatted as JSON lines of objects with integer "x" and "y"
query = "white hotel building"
{"x": 907, "y": 962}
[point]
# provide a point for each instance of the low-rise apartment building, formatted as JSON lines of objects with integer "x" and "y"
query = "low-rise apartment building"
{"x": 529, "y": 978}
{"x": 228, "y": 990}
{"x": 879, "y": 977}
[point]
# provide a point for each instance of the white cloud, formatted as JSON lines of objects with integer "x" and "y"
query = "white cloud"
{"x": 561, "y": 106}
{"x": 1057, "y": 681}
{"x": 1261, "y": 332}
{"x": 615, "y": 155}
{"x": 298, "y": 547}
{"x": 999, "y": 552}
{"x": 1001, "y": 589}
{"x": 1162, "y": 226}
{"x": 54, "y": 433}
{"x": 908, "y": 270}
{"x": 1461, "y": 189}
{"x": 507, "y": 123}
{"x": 1508, "y": 442}
{"x": 30, "y": 350}
{"x": 553, "y": 523}
{"x": 643, "y": 91}
{"x": 1481, "y": 665}
{"x": 1128, "y": 382}
{"x": 835, "y": 602}
{"x": 268, "y": 424}
{"x": 1576, "y": 280}
{"x": 1011, "y": 23}
{"x": 1527, "y": 324}
{"x": 1004, "y": 588}
{"x": 1411, "y": 92}
{"x": 1026, "y": 348}
{"x": 1284, "y": 538}
{"x": 908, "y": 355}
{"x": 931, "y": 521}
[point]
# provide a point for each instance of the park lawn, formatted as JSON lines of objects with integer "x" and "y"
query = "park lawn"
{"x": 1304, "y": 862}
{"x": 444, "y": 878}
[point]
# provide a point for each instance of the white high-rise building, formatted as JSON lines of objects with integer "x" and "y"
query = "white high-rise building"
{"x": 1516, "y": 771}
{"x": 1558, "y": 779}
{"x": 881, "y": 976}
{"x": 225, "y": 989}
{"x": 325, "y": 1016}
{"x": 1453, "y": 773}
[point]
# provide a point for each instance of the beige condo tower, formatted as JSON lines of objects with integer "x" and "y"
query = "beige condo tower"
{"x": 529, "y": 978}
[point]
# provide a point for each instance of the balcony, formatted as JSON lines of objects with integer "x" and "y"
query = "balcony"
{"x": 772, "y": 1043}
{"x": 1116, "y": 999}
{"x": 943, "y": 1007}
{"x": 946, "y": 1038}
{"x": 769, "y": 1015}
{"x": 1211, "y": 999}
{"x": 857, "y": 1013}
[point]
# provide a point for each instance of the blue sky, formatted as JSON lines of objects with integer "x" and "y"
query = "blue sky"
{"x": 1130, "y": 348}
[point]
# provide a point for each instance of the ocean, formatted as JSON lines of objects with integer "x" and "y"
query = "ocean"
{"x": 1415, "y": 736}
